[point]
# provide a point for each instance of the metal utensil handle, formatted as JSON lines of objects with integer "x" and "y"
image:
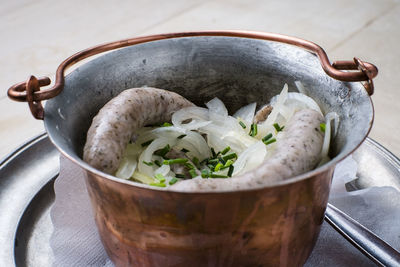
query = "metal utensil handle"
{"x": 363, "y": 239}
{"x": 20, "y": 91}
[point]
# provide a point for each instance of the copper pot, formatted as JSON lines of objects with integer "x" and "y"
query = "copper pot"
{"x": 144, "y": 226}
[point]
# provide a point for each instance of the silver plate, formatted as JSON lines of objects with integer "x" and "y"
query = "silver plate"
{"x": 26, "y": 195}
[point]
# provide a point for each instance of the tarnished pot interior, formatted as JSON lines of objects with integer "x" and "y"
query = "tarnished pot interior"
{"x": 269, "y": 226}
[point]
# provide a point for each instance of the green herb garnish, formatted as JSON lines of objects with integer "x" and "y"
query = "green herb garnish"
{"x": 166, "y": 124}
{"x": 158, "y": 184}
{"x": 181, "y": 136}
{"x": 226, "y": 150}
{"x": 267, "y": 137}
{"x": 173, "y": 181}
{"x": 195, "y": 161}
{"x": 179, "y": 175}
{"x": 213, "y": 153}
{"x": 229, "y": 156}
{"x": 211, "y": 166}
{"x": 322, "y": 127}
{"x": 213, "y": 175}
{"x": 230, "y": 171}
{"x": 253, "y": 130}
{"x": 189, "y": 166}
{"x": 204, "y": 161}
{"x": 213, "y": 161}
{"x": 175, "y": 161}
{"x": 192, "y": 173}
{"x": 184, "y": 150}
{"x": 148, "y": 163}
{"x": 157, "y": 163}
{"x": 160, "y": 177}
{"x": 205, "y": 173}
{"x": 147, "y": 143}
{"x": 277, "y": 127}
{"x": 162, "y": 152}
{"x": 270, "y": 141}
{"x": 242, "y": 124}
{"x": 218, "y": 166}
{"x": 227, "y": 164}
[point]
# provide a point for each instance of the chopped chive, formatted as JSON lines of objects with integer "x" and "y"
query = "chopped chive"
{"x": 147, "y": 143}
{"x": 218, "y": 166}
{"x": 157, "y": 163}
{"x": 211, "y": 166}
{"x": 181, "y": 136}
{"x": 213, "y": 161}
{"x": 253, "y": 130}
{"x": 242, "y": 124}
{"x": 148, "y": 163}
{"x": 229, "y": 156}
{"x": 160, "y": 177}
{"x": 205, "y": 173}
{"x": 175, "y": 161}
{"x": 221, "y": 160}
{"x": 189, "y": 166}
{"x": 195, "y": 161}
{"x": 213, "y": 153}
{"x": 227, "y": 164}
{"x": 204, "y": 160}
{"x": 213, "y": 175}
{"x": 267, "y": 137}
{"x": 166, "y": 124}
{"x": 184, "y": 150}
{"x": 158, "y": 184}
{"x": 270, "y": 141}
{"x": 179, "y": 175}
{"x": 173, "y": 181}
{"x": 226, "y": 149}
{"x": 192, "y": 173}
{"x": 230, "y": 171}
{"x": 322, "y": 127}
{"x": 162, "y": 152}
{"x": 277, "y": 127}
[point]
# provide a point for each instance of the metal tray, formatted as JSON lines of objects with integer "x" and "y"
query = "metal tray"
{"x": 26, "y": 195}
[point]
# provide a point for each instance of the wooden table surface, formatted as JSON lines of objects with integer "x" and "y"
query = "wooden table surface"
{"x": 36, "y": 35}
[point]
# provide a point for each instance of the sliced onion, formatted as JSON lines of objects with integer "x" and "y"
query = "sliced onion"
{"x": 253, "y": 156}
{"x": 147, "y": 154}
{"x": 215, "y": 141}
{"x": 327, "y": 139}
{"x": 196, "y": 145}
{"x": 222, "y": 125}
{"x": 215, "y": 105}
{"x": 222, "y": 136}
{"x": 246, "y": 113}
{"x": 276, "y": 107}
{"x": 164, "y": 170}
{"x": 300, "y": 88}
{"x": 198, "y": 116}
{"x": 133, "y": 149}
{"x": 143, "y": 178}
{"x": 127, "y": 167}
{"x": 301, "y": 101}
{"x": 167, "y": 132}
{"x": 333, "y": 116}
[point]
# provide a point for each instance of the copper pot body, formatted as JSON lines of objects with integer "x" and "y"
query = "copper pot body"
{"x": 145, "y": 226}
{"x": 275, "y": 226}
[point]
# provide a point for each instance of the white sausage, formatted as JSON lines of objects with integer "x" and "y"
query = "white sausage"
{"x": 117, "y": 121}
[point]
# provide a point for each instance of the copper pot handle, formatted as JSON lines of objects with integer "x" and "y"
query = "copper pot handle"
{"x": 30, "y": 91}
